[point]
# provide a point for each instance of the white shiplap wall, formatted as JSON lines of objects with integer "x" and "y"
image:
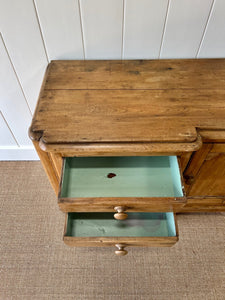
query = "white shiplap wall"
{"x": 34, "y": 32}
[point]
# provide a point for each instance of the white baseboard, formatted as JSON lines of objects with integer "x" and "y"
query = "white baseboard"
{"x": 18, "y": 153}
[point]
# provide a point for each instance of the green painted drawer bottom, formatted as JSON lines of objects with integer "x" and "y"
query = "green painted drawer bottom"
{"x": 150, "y": 176}
{"x": 101, "y": 229}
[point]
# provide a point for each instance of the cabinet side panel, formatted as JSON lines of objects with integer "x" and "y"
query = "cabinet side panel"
{"x": 48, "y": 167}
{"x": 56, "y": 163}
{"x": 184, "y": 160}
{"x": 194, "y": 166}
{"x": 211, "y": 178}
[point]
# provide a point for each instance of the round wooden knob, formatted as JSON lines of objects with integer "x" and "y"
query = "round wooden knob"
{"x": 120, "y": 215}
{"x": 121, "y": 251}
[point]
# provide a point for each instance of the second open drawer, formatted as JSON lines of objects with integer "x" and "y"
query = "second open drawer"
{"x": 100, "y": 184}
{"x": 140, "y": 229}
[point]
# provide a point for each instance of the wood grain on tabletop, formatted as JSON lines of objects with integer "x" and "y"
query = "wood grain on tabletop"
{"x": 137, "y": 74}
{"x": 131, "y": 101}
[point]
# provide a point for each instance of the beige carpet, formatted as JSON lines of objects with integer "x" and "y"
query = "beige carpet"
{"x": 35, "y": 263}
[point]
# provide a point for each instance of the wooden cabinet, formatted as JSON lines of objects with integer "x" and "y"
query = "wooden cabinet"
{"x": 116, "y": 139}
{"x": 205, "y": 178}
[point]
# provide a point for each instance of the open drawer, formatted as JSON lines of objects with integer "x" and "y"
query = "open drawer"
{"x": 140, "y": 229}
{"x": 148, "y": 183}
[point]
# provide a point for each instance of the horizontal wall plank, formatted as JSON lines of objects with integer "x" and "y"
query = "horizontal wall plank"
{"x": 102, "y": 28}
{"x": 184, "y": 28}
{"x": 20, "y": 30}
{"x": 144, "y": 23}
{"x": 12, "y": 101}
{"x": 18, "y": 153}
{"x": 6, "y": 137}
{"x": 60, "y": 24}
{"x": 213, "y": 44}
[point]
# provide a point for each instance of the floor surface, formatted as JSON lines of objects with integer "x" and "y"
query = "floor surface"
{"x": 35, "y": 263}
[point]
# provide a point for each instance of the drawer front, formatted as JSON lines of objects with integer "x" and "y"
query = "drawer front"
{"x": 140, "y": 229}
{"x": 151, "y": 183}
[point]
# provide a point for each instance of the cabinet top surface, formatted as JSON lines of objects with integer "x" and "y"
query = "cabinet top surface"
{"x": 139, "y": 101}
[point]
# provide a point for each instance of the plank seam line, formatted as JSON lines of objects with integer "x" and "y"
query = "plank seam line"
{"x": 15, "y": 73}
{"x": 40, "y": 29}
{"x": 9, "y": 129}
{"x": 82, "y": 29}
{"x": 164, "y": 29}
{"x": 205, "y": 28}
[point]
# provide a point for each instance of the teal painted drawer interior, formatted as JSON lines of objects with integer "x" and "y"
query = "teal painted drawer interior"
{"x": 137, "y": 225}
{"x": 147, "y": 176}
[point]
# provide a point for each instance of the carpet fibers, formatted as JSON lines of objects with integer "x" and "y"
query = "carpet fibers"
{"x": 35, "y": 263}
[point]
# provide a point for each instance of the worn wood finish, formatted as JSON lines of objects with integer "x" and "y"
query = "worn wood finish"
{"x": 215, "y": 136}
{"x": 210, "y": 180}
{"x": 48, "y": 167}
{"x": 101, "y": 204}
{"x": 152, "y": 116}
{"x": 57, "y": 161}
{"x": 111, "y": 241}
{"x": 218, "y": 148}
{"x": 204, "y": 204}
{"x": 195, "y": 164}
{"x": 205, "y": 180}
{"x": 184, "y": 160}
{"x": 127, "y": 108}
{"x": 102, "y": 106}
{"x": 119, "y": 149}
{"x": 137, "y": 74}
{"x": 205, "y": 175}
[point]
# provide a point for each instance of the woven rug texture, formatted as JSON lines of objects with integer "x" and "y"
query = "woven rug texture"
{"x": 36, "y": 264}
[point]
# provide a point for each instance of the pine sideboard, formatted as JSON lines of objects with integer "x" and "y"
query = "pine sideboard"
{"x": 128, "y": 144}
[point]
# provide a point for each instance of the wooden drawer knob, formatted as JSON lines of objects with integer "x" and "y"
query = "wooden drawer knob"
{"x": 120, "y": 215}
{"x": 121, "y": 251}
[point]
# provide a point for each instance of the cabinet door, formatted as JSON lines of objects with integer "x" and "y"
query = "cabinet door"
{"x": 205, "y": 174}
